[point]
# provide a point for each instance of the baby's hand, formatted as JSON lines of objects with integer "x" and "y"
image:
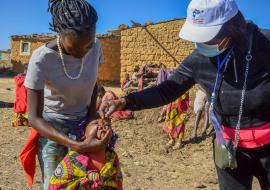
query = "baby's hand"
{"x": 103, "y": 127}
{"x": 104, "y": 123}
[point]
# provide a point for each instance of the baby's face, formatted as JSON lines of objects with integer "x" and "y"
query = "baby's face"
{"x": 102, "y": 125}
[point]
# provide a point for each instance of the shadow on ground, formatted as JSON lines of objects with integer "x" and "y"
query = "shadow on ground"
{"x": 6, "y": 104}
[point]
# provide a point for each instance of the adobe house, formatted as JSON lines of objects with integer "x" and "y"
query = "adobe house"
{"x": 124, "y": 48}
{"x": 157, "y": 43}
{"x": 23, "y": 46}
{"x": 5, "y": 55}
{"x": 5, "y": 59}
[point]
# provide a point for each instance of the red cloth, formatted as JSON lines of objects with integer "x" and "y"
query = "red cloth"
{"x": 97, "y": 160}
{"x": 28, "y": 156}
{"x": 20, "y": 105}
{"x": 251, "y": 137}
{"x": 109, "y": 95}
{"x": 140, "y": 83}
{"x": 123, "y": 83}
{"x": 121, "y": 115}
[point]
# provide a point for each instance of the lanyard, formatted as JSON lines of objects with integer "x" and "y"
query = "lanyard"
{"x": 220, "y": 66}
{"x": 215, "y": 120}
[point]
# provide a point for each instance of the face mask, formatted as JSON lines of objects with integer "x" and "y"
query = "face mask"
{"x": 208, "y": 50}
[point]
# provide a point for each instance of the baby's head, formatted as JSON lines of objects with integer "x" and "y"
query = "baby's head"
{"x": 102, "y": 125}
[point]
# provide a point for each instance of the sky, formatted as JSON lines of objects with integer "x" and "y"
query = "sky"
{"x": 30, "y": 16}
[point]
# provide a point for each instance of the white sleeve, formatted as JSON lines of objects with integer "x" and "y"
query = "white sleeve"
{"x": 35, "y": 77}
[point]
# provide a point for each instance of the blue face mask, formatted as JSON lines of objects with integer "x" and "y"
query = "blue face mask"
{"x": 208, "y": 50}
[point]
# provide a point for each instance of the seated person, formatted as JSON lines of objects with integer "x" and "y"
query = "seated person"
{"x": 136, "y": 75}
{"x": 90, "y": 171}
{"x": 175, "y": 115}
{"x": 126, "y": 83}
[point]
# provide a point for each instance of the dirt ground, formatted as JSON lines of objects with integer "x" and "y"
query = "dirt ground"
{"x": 145, "y": 162}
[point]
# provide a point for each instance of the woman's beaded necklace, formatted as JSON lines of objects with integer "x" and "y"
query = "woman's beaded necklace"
{"x": 63, "y": 62}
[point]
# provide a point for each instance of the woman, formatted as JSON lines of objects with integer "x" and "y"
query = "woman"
{"x": 174, "y": 114}
{"x": 232, "y": 64}
{"x": 175, "y": 121}
{"x": 61, "y": 79}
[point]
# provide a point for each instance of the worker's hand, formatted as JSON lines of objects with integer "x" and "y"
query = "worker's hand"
{"x": 91, "y": 143}
{"x": 107, "y": 108}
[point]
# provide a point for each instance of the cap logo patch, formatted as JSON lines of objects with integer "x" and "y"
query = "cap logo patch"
{"x": 195, "y": 14}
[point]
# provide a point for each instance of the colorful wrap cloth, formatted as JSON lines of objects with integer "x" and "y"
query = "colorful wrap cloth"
{"x": 20, "y": 119}
{"x": 77, "y": 171}
{"x": 81, "y": 171}
{"x": 176, "y": 117}
{"x": 89, "y": 171}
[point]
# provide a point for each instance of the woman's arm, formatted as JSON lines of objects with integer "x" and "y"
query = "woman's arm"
{"x": 45, "y": 129}
{"x": 92, "y": 110}
{"x": 181, "y": 81}
{"x": 157, "y": 96}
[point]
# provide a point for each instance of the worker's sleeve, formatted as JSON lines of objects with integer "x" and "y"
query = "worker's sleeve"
{"x": 179, "y": 82}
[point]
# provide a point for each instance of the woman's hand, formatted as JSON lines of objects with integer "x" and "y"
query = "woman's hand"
{"x": 91, "y": 143}
{"x": 107, "y": 108}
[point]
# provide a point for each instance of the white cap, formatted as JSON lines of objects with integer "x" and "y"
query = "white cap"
{"x": 205, "y": 19}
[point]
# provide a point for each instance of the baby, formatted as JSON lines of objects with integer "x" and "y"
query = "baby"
{"x": 102, "y": 125}
{"x": 89, "y": 171}
{"x": 126, "y": 83}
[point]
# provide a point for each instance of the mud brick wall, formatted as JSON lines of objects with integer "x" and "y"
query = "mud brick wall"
{"x": 18, "y": 60}
{"x": 138, "y": 47}
{"x": 110, "y": 69}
